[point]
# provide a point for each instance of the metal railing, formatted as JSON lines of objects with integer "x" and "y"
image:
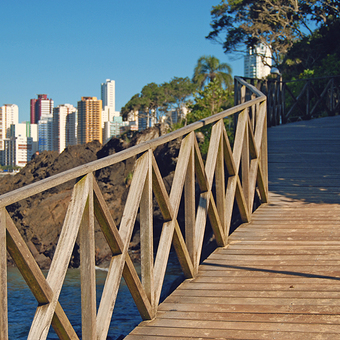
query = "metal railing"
{"x": 227, "y": 176}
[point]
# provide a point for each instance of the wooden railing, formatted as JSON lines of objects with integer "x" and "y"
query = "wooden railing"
{"x": 301, "y": 99}
{"x": 227, "y": 176}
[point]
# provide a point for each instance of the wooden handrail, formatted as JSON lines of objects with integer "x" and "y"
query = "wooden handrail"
{"x": 228, "y": 175}
{"x": 304, "y": 104}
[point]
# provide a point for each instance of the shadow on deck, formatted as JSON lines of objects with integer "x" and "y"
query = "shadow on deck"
{"x": 279, "y": 276}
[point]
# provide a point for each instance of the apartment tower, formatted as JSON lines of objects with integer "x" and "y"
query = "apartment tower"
{"x": 257, "y": 62}
{"x": 9, "y": 114}
{"x": 64, "y": 127}
{"x": 109, "y": 101}
{"x": 40, "y": 107}
{"x": 89, "y": 120}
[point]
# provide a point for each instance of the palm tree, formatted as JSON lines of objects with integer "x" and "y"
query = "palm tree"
{"x": 208, "y": 68}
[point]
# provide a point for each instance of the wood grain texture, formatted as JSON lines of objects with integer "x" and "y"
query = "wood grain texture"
{"x": 3, "y": 277}
{"x": 189, "y": 205}
{"x": 44, "y": 313}
{"x": 146, "y": 233}
{"x": 35, "y": 279}
{"x": 216, "y": 201}
{"x": 117, "y": 263}
{"x": 87, "y": 268}
{"x": 279, "y": 276}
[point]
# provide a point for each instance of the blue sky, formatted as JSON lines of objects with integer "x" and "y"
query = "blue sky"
{"x": 68, "y": 48}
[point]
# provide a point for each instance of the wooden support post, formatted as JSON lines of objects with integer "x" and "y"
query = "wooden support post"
{"x": 55, "y": 278}
{"x": 307, "y": 99}
{"x": 220, "y": 184}
{"x": 146, "y": 234}
{"x": 87, "y": 268}
{"x": 331, "y": 103}
{"x": 245, "y": 166}
{"x": 264, "y": 150}
{"x": 118, "y": 262}
{"x": 3, "y": 277}
{"x": 283, "y": 104}
{"x": 189, "y": 203}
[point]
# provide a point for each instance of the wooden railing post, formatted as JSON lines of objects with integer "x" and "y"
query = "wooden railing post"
{"x": 307, "y": 100}
{"x": 283, "y": 99}
{"x": 264, "y": 149}
{"x": 146, "y": 235}
{"x": 220, "y": 184}
{"x": 87, "y": 268}
{"x": 3, "y": 277}
{"x": 189, "y": 205}
{"x": 246, "y": 167}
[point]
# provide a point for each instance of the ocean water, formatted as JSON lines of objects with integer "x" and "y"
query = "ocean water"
{"x": 22, "y": 304}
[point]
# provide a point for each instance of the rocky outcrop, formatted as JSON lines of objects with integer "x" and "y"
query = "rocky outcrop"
{"x": 39, "y": 219}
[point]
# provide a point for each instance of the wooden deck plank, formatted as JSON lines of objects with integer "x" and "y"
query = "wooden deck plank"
{"x": 194, "y": 333}
{"x": 252, "y": 326}
{"x": 279, "y": 276}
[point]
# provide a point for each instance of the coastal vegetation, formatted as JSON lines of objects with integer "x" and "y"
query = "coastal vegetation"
{"x": 240, "y": 24}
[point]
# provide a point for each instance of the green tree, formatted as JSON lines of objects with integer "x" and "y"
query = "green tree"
{"x": 209, "y": 101}
{"x": 277, "y": 24}
{"x": 208, "y": 68}
{"x": 156, "y": 100}
{"x": 134, "y": 104}
{"x": 178, "y": 93}
{"x": 317, "y": 53}
{"x": 151, "y": 98}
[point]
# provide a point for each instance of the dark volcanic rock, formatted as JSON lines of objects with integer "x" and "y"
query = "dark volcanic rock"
{"x": 39, "y": 219}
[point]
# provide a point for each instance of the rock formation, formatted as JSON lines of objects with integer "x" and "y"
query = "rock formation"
{"x": 39, "y": 218}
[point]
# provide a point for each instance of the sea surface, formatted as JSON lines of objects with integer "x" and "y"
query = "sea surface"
{"x": 22, "y": 304}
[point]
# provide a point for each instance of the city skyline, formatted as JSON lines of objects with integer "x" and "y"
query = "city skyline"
{"x": 68, "y": 53}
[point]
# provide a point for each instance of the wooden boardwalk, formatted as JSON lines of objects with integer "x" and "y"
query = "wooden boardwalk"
{"x": 279, "y": 277}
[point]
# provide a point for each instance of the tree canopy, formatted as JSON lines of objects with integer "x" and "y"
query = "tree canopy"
{"x": 277, "y": 24}
{"x": 209, "y": 92}
{"x": 208, "y": 68}
{"x": 155, "y": 100}
{"x": 316, "y": 54}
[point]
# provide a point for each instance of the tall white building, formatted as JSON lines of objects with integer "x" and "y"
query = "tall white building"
{"x": 108, "y": 96}
{"x": 64, "y": 127}
{"x": 9, "y": 114}
{"x": 20, "y": 144}
{"x": 108, "y": 93}
{"x": 257, "y": 62}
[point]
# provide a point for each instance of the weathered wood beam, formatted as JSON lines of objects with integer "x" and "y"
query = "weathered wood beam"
{"x": 87, "y": 268}
{"x": 146, "y": 234}
{"x": 117, "y": 263}
{"x": 3, "y": 277}
{"x": 55, "y": 278}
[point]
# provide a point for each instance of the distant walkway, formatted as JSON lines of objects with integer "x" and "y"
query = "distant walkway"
{"x": 279, "y": 278}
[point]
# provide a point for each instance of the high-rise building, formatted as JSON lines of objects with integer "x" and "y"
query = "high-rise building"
{"x": 64, "y": 127}
{"x": 257, "y": 62}
{"x": 45, "y": 133}
{"x": 108, "y": 93}
{"x": 39, "y": 107}
{"x": 9, "y": 114}
{"x": 20, "y": 144}
{"x": 109, "y": 101}
{"x": 89, "y": 120}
